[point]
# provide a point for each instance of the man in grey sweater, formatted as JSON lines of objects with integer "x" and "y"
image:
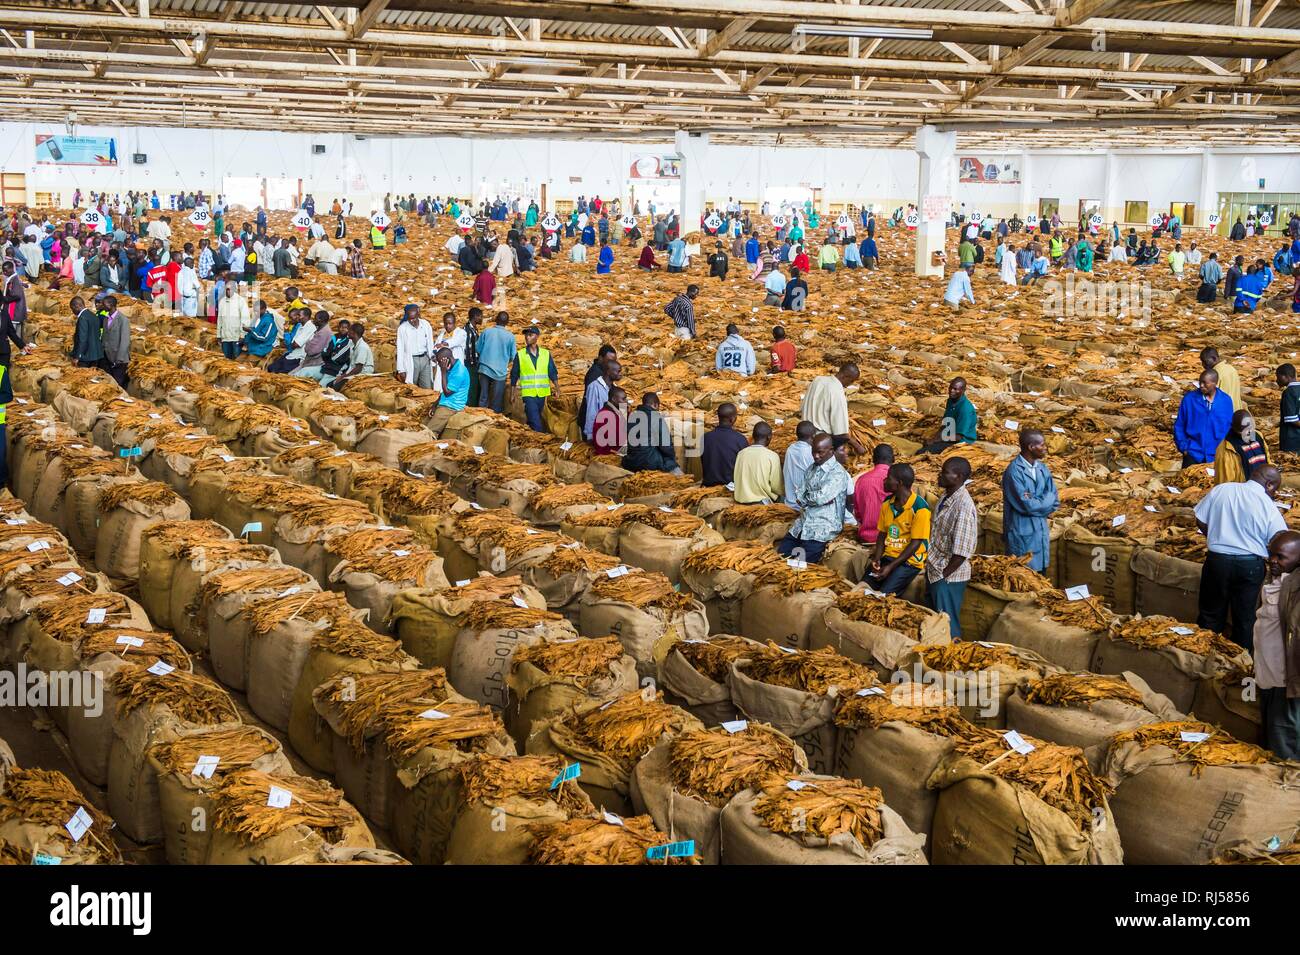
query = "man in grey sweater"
{"x": 116, "y": 340}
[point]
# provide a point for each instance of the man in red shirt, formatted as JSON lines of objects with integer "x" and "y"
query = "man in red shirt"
{"x": 164, "y": 275}
{"x": 869, "y": 493}
{"x": 783, "y": 354}
{"x": 485, "y": 286}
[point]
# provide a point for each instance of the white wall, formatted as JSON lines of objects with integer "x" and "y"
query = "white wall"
{"x": 364, "y": 169}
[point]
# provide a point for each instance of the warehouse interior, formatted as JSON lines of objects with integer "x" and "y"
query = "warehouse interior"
{"x": 327, "y": 337}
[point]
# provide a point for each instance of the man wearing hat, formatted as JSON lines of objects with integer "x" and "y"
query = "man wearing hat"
{"x": 533, "y": 373}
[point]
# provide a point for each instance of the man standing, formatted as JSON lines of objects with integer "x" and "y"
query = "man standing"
{"x": 957, "y": 426}
{"x": 413, "y": 364}
{"x": 677, "y": 255}
{"x": 1203, "y": 419}
{"x": 87, "y": 345}
{"x": 1289, "y": 429}
{"x": 774, "y": 286}
{"x": 116, "y": 340}
{"x": 1229, "y": 380}
{"x": 798, "y": 459}
{"x": 720, "y": 446}
{"x": 597, "y": 394}
{"x": 649, "y": 442}
{"x": 796, "y": 292}
{"x": 496, "y": 350}
{"x": 783, "y": 352}
{"x": 1239, "y": 521}
{"x": 1277, "y": 633}
{"x": 735, "y": 354}
{"x": 718, "y": 263}
{"x": 757, "y": 472}
{"x": 455, "y": 390}
{"x": 13, "y": 306}
{"x": 954, "y": 532}
{"x": 821, "y": 499}
{"x": 903, "y": 528}
{"x": 682, "y": 311}
{"x": 869, "y": 493}
{"x": 533, "y": 373}
{"x": 827, "y": 407}
{"x": 1241, "y": 451}
{"x": 1029, "y": 498}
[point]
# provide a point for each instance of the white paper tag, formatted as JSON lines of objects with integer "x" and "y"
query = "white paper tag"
{"x": 1182, "y": 631}
{"x": 1187, "y": 737}
{"x": 15, "y": 522}
{"x": 1150, "y": 507}
{"x": 279, "y": 798}
{"x": 1172, "y": 490}
{"x": 161, "y": 669}
{"x": 227, "y": 458}
{"x": 613, "y": 507}
{"x": 870, "y": 691}
{"x": 1117, "y": 520}
{"x": 205, "y": 766}
{"x": 442, "y": 445}
{"x": 1077, "y": 593}
{"x": 796, "y": 785}
{"x": 1018, "y": 742}
{"x": 478, "y": 450}
{"x": 1058, "y": 429}
{"x": 665, "y": 508}
{"x": 1011, "y": 425}
{"x": 731, "y": 485}
{"x": 566, "y": 446}
{"x": 290, "y": 591}
{"x": 34, "y": 546}
{"x": 68, "y": 579}
{"x": 252, "y": 527}
{"x": 435, "y": 715}
{"x": 984, "y": 644}
{"x": 797, "y": 564}
{"x": 96, "y": 616}
{"x": 610, "y": 818}
{"x": 1125, "y": 470}
{"x": 619, "y": 571}
{"x": 462, "y": 583}
{"x": 128, "y": 641}
{"x": 736, "y": 726}
{"x": 79, "y": 824}
{"x": 879, "y": 422}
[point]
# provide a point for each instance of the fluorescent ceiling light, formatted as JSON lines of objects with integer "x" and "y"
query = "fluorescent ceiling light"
{"x": 535, "y": 61}
{"x": 886, "y": 33}
{"x": 1161, "y": 87}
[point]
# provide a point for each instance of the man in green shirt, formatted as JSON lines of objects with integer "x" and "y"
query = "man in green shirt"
{"x": 959, "y": 420}
{"x": 966, "y": 253}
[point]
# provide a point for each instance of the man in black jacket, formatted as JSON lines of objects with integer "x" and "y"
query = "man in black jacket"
{"x": 471, "y": 261}
{"x": 649, "y": 443}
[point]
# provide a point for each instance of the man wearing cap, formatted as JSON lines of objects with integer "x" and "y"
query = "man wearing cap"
{"x": 533, "y": 373}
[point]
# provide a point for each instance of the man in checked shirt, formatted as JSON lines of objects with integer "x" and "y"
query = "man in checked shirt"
{"x": 954, "y": 530}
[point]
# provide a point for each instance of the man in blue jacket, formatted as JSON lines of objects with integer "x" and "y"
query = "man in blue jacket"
{"x": 752, "y": 249}
{"x": 1203, "y": 420}
{"x": 1250, "y": 289}
{"x": 1028, "y": 498}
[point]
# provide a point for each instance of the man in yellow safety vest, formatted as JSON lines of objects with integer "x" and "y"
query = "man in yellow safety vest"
{"x": 533, "y": 373}
{"x": 378, "y": 239}
{"x": 6, "y": 396}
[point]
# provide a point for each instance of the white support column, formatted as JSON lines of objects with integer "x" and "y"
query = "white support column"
{"x": 1111, "y": 207}
{"x": 1207, "y": 196}
{"x": 1028, "y": 201}
{"x": 937, "y": 181}
{"x": 694, "y": 150}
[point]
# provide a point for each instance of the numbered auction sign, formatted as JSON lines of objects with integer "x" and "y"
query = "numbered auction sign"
{"x": 628, "y": 221}
{"x": 778, "y": 221}
{"x": 1031, "y": 221}
{"x": 1265, "y": 218}
{"x": 380, "y": 220}
{"x": 200, "y": 217}
{"x": 92, "y": 220}
{"x": 1214, "y": 219}
{"x": 301, "y": 220}
{"x": 977, "y": 217}
{"x": 1095, "y": 218}
{"x": 465, "y": 221}
{"x": 583, "y": 219}
{"x": 913, "y": 220}
{"x": 1156, "y": 220}
{"x": 550, "y": 223}
{"x": 843, "y": 221}
{"x": 712, "y": 222}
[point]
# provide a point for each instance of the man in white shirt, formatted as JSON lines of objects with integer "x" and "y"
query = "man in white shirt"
{"x": 31, "y": 250}
{"x": 1239, "y": 521}
{"x": 579, "y": 251}
{"x": 188, "y": 289}
{"x": 1279, "y": 715}
{"x": 503, "y": 261}
{"x": 454, "y": 243}
{"x": 159, "y": 229}
{"x": 959, "y": 287}
{"x": 322, "y": 254}
{"x": 414, "y": 363}
{"x": 735, "y": 354}
{"x": 317, "y": 231}
{"x": 798, "y": 459}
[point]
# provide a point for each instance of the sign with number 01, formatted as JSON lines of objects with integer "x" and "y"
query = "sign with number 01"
{"x": 843, "y": 221}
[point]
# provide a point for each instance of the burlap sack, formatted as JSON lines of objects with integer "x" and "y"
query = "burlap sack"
{"x": 326, "y": 854}
{"x": 1165, "y": 585}
{"x": 746, "y": 841}
{"x": 497, "y": 834}
{"x": 183, "y": 798}
{"x": 304, "y": 546}
{"x": 981, "y": 695}
{"x": 647, "y": 633}
{"x": 480, "y": 659}
{"x": 229, "y": 634}
{"x": 276, "y": 660}
{"x": 807, "y": 718}
{"x": 1089, "y": 727}
{"x": 704, "y": 698}
{"x": 605, "y": 477}
{"x": 1218, "y": 806}
{"x": 386, "y": 443}
{"x": 1105, "y": 564}
{"x": 880, "y": 648}
{"x": 374, "y": 594}
{"x": 1025, "y": 624}
{"x": 117, "y": 541}
{"x": 980, "y": 608}
{"x": 982, "y": 819}
{"x": 767, "y": 614}
{"x": 848, "y": 558}
{"x": 81, "y": 514}
{"x": 187, "y": 617}
{"x": 1230, "y": 700}
{"x": 228, "y": 848}
{"x": 132, "y": 782}
{"x": 770, "y": 532}
{"x": 1168, "y": 670}
{"x": 158, "y": 568}
{"x": 533, "y": 695}
{"x": 427, "y": 621}
{"x": 723, "y": 593}
{"x": 603, "y": 539}
{"x": 648, "y": 548}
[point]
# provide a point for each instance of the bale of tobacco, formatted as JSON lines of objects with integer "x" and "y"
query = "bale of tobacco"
{"x": 599, "y": 527}
{"x": 608, "y": 739}
{"x": 164, "y": 546}
{"x": 1086, "y": 709}
{"x": 761, "y": 522}
{"x": 876, "y": 630}
{"x": 192, "y": 761}
{"x": 788, "y": 597}
{"x": 220, "y": 601}
{"x": 194, "y": 563}
{"x": 645, "y": 610}
{"x": 371, "y": 576}
{"x": 126, "y": 511}
{"x": 1061, "y": 629}
{"x": 553, "y": 504}
{"x": 262, "y": 819}
{"x": 893, "y": 737}
{"x": 816, "y": 820}
{"x": 1013, "y": 800}
{"x": 146, "y": 700}
{"x": 1173, "y": 657}
{"x": 796, "y": 691}
{"x": 1113, "y": 579}
{"x": 1230, "y": 700}
{"x": 491, "y": 631}
{"x": 653, "y": 488}
{"x": 302, "y": 534}
{"x": 510, "y": 485}
{"x": 426, "y": 620}
{"x": 979, "y": 675}
{"x": 500, "y": 799}
{"x": 684, "y": 782}
{"x": 696, "y": 675}
{"x": 996, "y": 581}
{"x": 45, "y": 818}
{"x": 553, "y": 677}
{"x": 602, "y": 841}
{"x": 658, "y": 540}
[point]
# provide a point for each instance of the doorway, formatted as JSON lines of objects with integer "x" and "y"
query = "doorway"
{"x": 1185, "y": 211}
{"x": 13, "y": 189}
{"x": 541, "y": 204}
{"x": 1048, "y": 208}
{"x": 1086, "y": 209}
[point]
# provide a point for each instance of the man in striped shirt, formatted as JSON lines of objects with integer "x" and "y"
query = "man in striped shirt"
{"x": 682, "y": 311}
{"x": 954, "y": 531}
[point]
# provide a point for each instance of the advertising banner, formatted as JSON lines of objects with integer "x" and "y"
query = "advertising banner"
{"x": 75, "y": 150}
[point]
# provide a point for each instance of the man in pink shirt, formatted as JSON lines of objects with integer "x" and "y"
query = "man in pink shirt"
{"x": 869, "y": 493}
